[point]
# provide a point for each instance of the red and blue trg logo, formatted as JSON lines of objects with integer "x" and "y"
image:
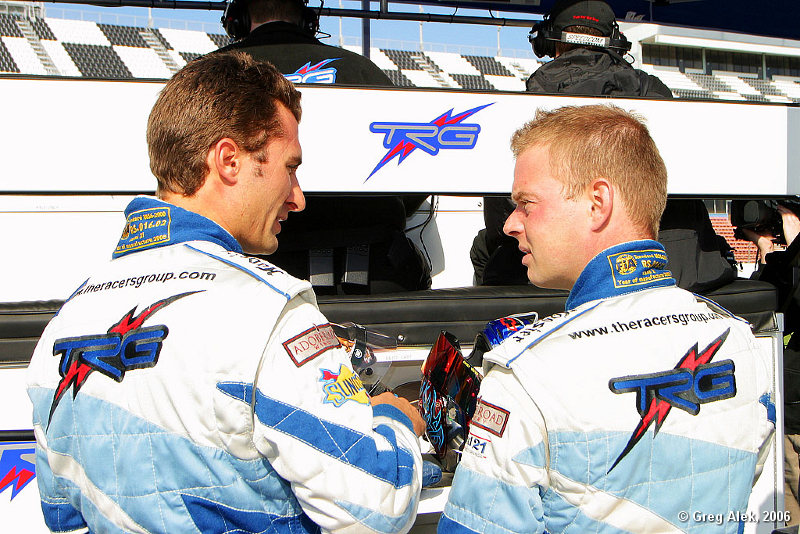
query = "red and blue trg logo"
{"x": 447, "y": 131}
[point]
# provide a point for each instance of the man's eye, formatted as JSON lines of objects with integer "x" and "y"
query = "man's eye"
{"x": 525, "y": 205}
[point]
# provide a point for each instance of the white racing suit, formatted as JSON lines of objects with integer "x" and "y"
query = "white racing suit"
{"x": 186, "y": 387}
{"x": 642, "y": 408}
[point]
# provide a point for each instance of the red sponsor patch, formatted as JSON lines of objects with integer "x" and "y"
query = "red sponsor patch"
{"x": 307, "y": 345}
{"x": 491, "y": 418}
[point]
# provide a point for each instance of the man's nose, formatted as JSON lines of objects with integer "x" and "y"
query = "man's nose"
{"x": 296, "y": 200}
{"x": 512, "y": 225}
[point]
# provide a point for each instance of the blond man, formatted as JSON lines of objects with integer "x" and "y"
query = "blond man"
{"x": 641, "y": 408}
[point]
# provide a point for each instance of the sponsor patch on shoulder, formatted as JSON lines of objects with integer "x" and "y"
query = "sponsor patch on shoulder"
{"x": 491, "y": 418}
{"x": 342, "y": 386}
{"x": 307, "y": 345}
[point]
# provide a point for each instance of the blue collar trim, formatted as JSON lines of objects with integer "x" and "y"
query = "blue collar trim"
{"x": 151, "y": 223}
{"x": 620, "y": 270}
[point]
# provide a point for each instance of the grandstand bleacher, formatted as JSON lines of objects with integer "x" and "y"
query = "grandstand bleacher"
{"x": 43, "y": 46}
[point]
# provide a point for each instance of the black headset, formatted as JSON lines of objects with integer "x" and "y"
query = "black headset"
{"x": 543, "y": 37}
{"x": 236, "y": 19}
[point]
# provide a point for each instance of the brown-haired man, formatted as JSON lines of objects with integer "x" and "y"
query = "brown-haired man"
{"x": 364, "y": 248}
{"x": 187, "y": 387}
{"x": 641, "y": 408}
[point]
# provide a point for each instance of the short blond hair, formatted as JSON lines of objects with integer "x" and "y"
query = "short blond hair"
{"x": 587, "y": 142}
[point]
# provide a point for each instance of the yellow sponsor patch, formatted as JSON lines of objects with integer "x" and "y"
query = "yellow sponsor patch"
{"x": 145, "y": 228}
{"x": 342, "y": 387}
{"x": 638, "y": 267}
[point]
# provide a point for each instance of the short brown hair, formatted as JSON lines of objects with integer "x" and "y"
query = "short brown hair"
{"x": 267, "y": 10}
{"x": 226, "y": 94}
{"x": 586, "y": 142}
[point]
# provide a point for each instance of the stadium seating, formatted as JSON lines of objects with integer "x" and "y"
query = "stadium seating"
{"x": 65, "y": 47}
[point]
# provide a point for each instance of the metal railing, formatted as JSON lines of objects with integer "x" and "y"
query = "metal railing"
{"x": 109, "y": 17}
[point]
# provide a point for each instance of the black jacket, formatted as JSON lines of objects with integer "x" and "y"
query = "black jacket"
{"x": 269, "y": 42}
{"x": 588, "y": 72}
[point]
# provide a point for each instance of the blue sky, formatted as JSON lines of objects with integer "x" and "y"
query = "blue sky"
{"x": 439, "y": 33}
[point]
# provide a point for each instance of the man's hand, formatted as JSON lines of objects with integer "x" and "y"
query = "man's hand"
{"x": 791, "y": 224}
{"x": 764, "y": 242}
{"x": 404, "y": 406}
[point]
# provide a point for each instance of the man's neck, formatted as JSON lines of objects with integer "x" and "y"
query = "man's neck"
{"x": 255, "y": 25}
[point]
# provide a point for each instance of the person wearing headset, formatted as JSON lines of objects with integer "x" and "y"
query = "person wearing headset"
{"x": 583, "y": 38}
{"x": 283, "y": 32}
{"x": 587, "y": 47}
{"x": 779, "y": 268}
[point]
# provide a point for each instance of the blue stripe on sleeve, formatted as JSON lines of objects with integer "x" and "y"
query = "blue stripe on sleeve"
{"x": 387, "y": 410}
{"x": 448, "y": 526}
{"x": 395, "y": 466}
{"x": 384, "y": 524}
{"x": 212, "y": 516}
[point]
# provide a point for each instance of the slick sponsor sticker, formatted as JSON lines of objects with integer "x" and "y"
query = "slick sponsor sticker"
{"x": 477, "y": 446}
{"x": 491, "y": 418}
{"x": 307, "y": 345}
{"x": 342, "y": 386}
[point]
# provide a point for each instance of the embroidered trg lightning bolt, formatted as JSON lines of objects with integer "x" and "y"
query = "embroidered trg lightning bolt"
{"x": 694, "y": 381}
{"x": 126, "y": 345}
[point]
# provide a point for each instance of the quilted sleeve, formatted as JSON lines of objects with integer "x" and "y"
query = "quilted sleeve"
{"x": 352, "y": 467}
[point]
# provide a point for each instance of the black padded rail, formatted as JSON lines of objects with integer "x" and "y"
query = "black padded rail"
{"x": 21, "y": 324}
{"x": 416, "y": 317}
{"x": 419, "y": 316}
{"x": 15, "y": 436}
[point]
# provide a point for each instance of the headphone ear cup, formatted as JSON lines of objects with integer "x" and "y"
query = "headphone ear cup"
{"x": 541, "y": 45}
{"x": 236, "y": 19}
{"x": 618, "y": 40}
{"x": 310, "y": 21}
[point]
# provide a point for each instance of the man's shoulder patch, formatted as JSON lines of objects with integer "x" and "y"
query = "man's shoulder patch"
{"x": 342, "y": 386}
{"x": 309, "y": 344}
{"x": 490, "y": 417}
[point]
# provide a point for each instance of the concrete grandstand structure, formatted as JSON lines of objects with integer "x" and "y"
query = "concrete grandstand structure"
{"x": 694, "y": 64}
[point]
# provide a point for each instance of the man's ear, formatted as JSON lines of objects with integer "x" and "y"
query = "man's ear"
{"x": 601, "y": 198}
{"x": 225, "y": 159}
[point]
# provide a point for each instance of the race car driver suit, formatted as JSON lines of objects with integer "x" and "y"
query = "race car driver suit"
{"x": 638, "y": 406}
{"x": 187, "y": 387}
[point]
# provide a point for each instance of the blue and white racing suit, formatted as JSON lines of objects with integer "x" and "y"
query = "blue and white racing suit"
{"x": 642, "y": 408}
{"x": 186, "y": 387}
